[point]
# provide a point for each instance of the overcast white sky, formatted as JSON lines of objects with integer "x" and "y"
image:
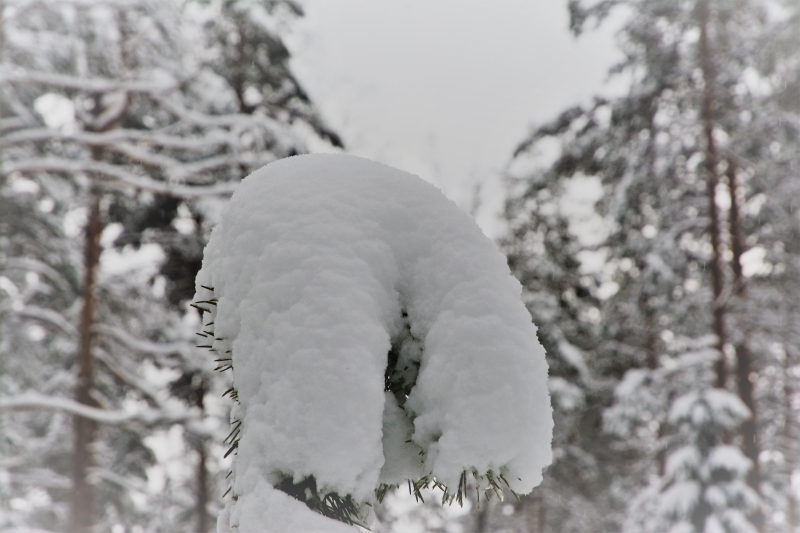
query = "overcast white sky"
{"x": 446, "y": 88}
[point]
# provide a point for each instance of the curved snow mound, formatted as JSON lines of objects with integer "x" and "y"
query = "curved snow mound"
{"x": 376, "y": 335}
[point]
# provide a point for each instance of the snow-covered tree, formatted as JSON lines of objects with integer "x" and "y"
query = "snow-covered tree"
{"x": 376, "y": 339}
{"x": 544, "y": 253}
{"x": 114, "y": 120}
{"x": 683, "y": 159}
{"x": 704, "y": 486}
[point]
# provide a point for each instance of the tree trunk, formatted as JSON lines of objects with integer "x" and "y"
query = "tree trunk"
{"x": 792, "y": 511}
{"x": 712, "y": 179}
{"x": 482, "y": 517}
{"x": 735, "y": 222}
{"x": 202, "y": 471}
{"x": 85, "y": 430}
{"x": 744, "y": 357}
{"x": 651, "y": 350}
{"x": 533, "y": 511}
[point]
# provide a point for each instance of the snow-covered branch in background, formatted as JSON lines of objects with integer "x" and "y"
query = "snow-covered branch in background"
{"x": 174, "y": 169}
{"x": 25, "y": 530}
{"x": 140, "y": 345}
{"x": 118, "y": 175}
{"x": 189, "y": 417}
{"x": 114, "y": 138}
{"x": 49, "y": 316}
{"x": 14, "y": 74}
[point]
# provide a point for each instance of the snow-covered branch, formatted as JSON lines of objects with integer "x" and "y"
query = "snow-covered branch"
{"x": 53, "y": 164}
{"x": 279, "y": 131}
{"x": 30, "y": 401}
{"x": 128, "y": 377}
{"x": 212, "y": 140}
{"x": 49, "y": 316}
{"x": 172, "y": 167}
{"x": 13, "y": 74}
{"x": 34, "y": 265}
{"x": 139, "y": 345}
{"x": 25, "y": 530}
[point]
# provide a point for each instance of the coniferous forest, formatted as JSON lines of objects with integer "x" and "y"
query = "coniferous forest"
{"x": 669, "y": 305}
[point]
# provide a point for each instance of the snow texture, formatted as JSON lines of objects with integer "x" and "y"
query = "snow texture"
{"x": 321, "y": 264}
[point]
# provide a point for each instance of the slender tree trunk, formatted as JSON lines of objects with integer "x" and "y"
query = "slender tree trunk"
{"x": 482, "y": 517}
{"x": 712, "y": 177}
{"x": 85, "y": 430}
{"x": 744, "y": 357}
{"x": 533, "y": 510}
{"x": 650, "y": 340}
{"x": 651, "y": 352}
{"x": 735, "y": 222}
{"x": 792, "y": 512}
{"x": 202, "y": 471}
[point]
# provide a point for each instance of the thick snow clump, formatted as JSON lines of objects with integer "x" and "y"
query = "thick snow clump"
{"x": 376, "y": 336}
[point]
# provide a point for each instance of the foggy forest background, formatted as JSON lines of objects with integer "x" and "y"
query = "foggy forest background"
{"x": 669, "y": 311}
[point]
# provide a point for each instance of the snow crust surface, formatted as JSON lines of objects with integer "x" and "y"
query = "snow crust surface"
{"x": 321, "y": 264}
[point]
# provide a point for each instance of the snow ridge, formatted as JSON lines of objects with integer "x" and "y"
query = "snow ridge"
{"x": 376, "y": 336}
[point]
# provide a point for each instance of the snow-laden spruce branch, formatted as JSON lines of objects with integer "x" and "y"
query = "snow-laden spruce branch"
{"x": 117, "y": 176}
{"x": 376, "y": 337}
